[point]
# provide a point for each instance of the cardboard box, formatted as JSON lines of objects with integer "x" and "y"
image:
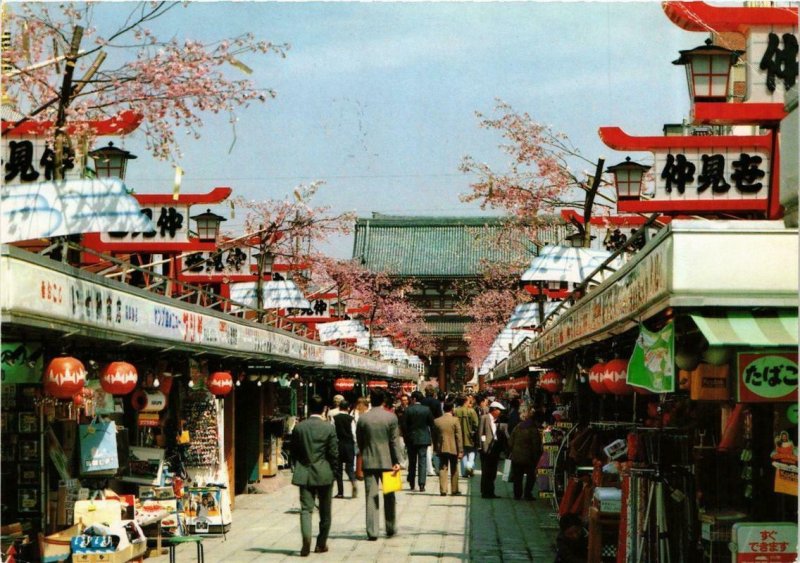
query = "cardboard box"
{"x": 608, "y": 500}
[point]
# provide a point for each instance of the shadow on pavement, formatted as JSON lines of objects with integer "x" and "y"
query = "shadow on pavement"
{"x": 277, "y": 551}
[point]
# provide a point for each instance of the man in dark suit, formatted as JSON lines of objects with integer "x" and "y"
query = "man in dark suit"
{"x": 418, "y": 425}
{"x": 315, "y": 452}
{"x": 449, "y": 446}
{"x": 344, "y": 423}
{"x": 493, "y": 436}
{"x": 379, "y": 446}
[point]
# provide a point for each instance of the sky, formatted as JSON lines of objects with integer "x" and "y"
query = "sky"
{"x": 378, "y": 99}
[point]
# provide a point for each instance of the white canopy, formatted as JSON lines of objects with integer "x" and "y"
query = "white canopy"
{"x": 277, "y": 295}
{"x": 527, "y": 314}
{"x": 341, "y": 329}
{"x": 68, "y": 207}
{"x": 565, "y": 263}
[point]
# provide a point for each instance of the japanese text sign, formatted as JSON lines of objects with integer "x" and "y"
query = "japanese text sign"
{"x": 773, "y": 71}
{"x": 171, "y": 223}
{"x": 766, "y": 376}
{"x": 765, "y": 542}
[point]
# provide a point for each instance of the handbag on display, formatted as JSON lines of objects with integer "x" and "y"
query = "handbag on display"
{"x": 98, "y": 441}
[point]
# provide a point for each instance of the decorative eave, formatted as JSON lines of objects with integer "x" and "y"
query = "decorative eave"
{"x": 617, "y": 139}
{"x": 217, "y": 195}
{"x": 121, "y": 124}
{"x": 722, "y": 113}
{"x": 699, "y": 16}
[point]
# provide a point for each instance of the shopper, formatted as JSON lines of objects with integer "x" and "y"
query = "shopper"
{"x": 315, "y": 452}
{"x": 493, "y": 436}
{"x": 377, "y": 437}
{"x": 526, "y": 449}
{"x": 572, "y": 545}
{"x": 418, "y": 426}
{"x": 343, "y": 422}
{"x": 468, "y": 419}
{"x": 448, "y": 445}
{"x": 513, "y": 413}
{"x": 337, "y": 407}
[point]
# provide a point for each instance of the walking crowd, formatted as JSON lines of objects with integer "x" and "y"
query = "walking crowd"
{"x": 426, "y": 434}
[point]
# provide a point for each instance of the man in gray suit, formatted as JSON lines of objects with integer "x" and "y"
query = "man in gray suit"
{"x": 315, "y": 452}
{"x": 379, "y": 446}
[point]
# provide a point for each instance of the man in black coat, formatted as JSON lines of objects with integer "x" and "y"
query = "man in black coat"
{"x": 347, "y": 449}
{"x": 418, "y": 422}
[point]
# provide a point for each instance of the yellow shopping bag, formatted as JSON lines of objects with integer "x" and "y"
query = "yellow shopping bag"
{"x": 392, "y": 482}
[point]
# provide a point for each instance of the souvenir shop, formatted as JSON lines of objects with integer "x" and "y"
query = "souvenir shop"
{"x": 672, "y": 401}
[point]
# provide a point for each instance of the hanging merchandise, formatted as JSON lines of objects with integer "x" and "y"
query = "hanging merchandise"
{"x": 98, "y": 441}
{"x": 784, "y": 460}
{"x": 148, "y": 401}
{"x": 119, "y": 378}
{"x": 200, "y": 414}
{"x": 64, "y": 377}
{"x": 652, "y": 365}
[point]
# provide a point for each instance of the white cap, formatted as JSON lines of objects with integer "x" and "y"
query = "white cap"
{"x": 496, "y": 405}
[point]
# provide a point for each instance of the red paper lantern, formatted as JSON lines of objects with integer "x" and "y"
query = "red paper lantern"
{"x": 220, "y": 383}
{"x": 119, "y": 378}
{"x": 615, "y": 378}
{"x": 551, "y": 382}
{"x": 596, "y": 378}
{"x": 377, "y": 384}
{"x": 344, "y": 384}
{"x": 64, "y": 377}
{"x": 408, "y": 387}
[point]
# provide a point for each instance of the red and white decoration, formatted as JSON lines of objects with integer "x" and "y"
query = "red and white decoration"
{"x": 119, "y": 378}
{"x": 64, "y": 377}
{"x": 220, "y": 383}
{"x": 596, "y": 373}
{"x": 615, "y": 377}
{"x": 344, "y": 384}
{"x": 377, "y": 384}
{"x": 550, "y": 382}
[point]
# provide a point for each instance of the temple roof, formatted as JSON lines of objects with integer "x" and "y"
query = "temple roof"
{"x": 431, "y": 247}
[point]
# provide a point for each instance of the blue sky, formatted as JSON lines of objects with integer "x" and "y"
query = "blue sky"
{"x": 378, "y": 99}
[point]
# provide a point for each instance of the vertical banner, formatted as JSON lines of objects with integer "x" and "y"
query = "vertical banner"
{"x": 652, "y": 365}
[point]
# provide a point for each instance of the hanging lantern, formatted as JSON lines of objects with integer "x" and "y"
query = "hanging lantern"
{"x": 408, "y": 387}
{"x": 220, "y": 383}
{"x": 64, "y": 377}
{"x": 595, "y": 378}
{"x": 550, "y": 382}
{"x": 615, "y": 378}
{"x": 119, "y": 378}
{"x": 344, "y": 384}
{"x": 377, "y": 384}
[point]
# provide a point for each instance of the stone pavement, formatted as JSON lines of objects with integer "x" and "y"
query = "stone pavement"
{"x": 266, "y": 527}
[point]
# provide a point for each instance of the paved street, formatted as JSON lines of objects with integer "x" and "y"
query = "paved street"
{"x": 266, "y": 527}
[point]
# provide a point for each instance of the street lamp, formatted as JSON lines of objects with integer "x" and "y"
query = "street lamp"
{"x": 208, "y": 225}
{"x": 111, "y": 161}
{"x": 708, "y": 69}
{"x": 628, "y": 177}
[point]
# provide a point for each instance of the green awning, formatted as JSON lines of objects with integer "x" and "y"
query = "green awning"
{"x": 745, "y": 329}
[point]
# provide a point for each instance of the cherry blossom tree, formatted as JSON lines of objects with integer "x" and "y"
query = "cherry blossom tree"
{"x": 286, "y": 229}
{"x": 540, "y": 177}
{"x": 384, "y": 300}
{"x": 171, "y": 82}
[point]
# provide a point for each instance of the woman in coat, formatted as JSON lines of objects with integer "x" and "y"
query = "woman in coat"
{"x": 526, "y": 448}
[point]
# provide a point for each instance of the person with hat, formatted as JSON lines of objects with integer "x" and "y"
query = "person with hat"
{"x": 493, "y": 437}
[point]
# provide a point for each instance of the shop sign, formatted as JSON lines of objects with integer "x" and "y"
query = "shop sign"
{"x": 652, "y": 364}
{"x": 217, "y": 264}
{"x": 764, "y": 542}
{"x": 171, "y": 222}
{"x": 774, "y": 68}
{"x": 33, "y": 289}
{"x": 32, "y": 159}
{"x": 784, "y": 460}
{"x": 346, "y": 361}
{"x": 21, "y": 363}
{"x": 644, "y": 284}
{"x": 766, "y": 376}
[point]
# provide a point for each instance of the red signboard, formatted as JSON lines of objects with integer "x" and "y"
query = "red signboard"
{"x": 766, "y": 376}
